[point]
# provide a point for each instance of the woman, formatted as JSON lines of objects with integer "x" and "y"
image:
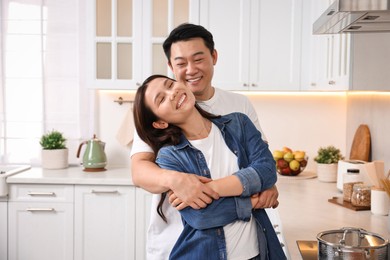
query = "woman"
{"x": 226, "y": 149}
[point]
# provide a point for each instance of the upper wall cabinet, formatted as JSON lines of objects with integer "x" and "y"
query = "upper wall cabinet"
{"x": 258, "y": 43}
{"x": 125, "y": 39}
{"x": 342, "y": 61}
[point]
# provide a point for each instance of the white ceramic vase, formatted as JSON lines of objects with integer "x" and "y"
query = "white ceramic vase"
{"x": 55, "y": 159}
{"x": 327, "y": 172}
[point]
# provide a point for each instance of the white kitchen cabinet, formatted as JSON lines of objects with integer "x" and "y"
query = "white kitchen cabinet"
{"x": 40, "y": 222}
{"x": 345, "y": 61}
{"x": 3, "y": 229}
{"x": 125, "y": 39}
{"x": 258, "y": 43}
{"x": 104, "y": 222}
{"x": 143, "y": 200}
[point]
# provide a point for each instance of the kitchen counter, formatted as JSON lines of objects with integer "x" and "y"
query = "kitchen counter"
{"x": 73, "y": 175}
{"x": 305, "y": 211}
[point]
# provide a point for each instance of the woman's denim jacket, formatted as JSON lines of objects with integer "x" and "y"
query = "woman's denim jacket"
{"x": 203, "y": 236}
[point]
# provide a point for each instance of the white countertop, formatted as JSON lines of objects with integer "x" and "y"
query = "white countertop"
{"x": 305, "y": 211}
{"x": 73, "y": 175}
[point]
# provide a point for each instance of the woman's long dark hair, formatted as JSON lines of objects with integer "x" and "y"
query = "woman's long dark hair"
{"x": 157, "y": 138}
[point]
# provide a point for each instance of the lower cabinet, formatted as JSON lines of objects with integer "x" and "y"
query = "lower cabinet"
{"x": 104, "y": 225}
{"x": 65, "y": 222}
{"x": 40, "y": 222}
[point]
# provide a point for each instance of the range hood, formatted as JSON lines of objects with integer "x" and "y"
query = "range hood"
{"x": 354, "y": 16}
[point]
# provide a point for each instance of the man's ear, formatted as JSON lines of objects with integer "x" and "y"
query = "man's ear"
{"x": 160, "y": 124}
{"x": 215, "y": 56}
{"x": 170, "y": 65}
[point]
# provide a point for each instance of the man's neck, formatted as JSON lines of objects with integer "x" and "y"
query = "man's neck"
{"x": 207, "y": 95}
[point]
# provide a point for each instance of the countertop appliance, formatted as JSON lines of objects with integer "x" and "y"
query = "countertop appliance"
{"x": 354, "y": 16}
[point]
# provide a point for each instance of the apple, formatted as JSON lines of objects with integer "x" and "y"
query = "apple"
{"x": 277, "y": 154}
{"x": 294, "y": 165}
{"x": 288, "y": 156}
{"x": 303, "y": 163}
{"x": 285, "y": 171}
{"x": 281, "y": 164}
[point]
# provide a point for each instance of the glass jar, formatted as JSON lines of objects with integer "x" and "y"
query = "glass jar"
{"x": 348, "y": 190}
{"x": 361, "y": 195}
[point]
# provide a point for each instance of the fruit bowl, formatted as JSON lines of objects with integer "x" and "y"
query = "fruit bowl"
{"x": 292, "y": 167}
{"x": 290, "y": 163}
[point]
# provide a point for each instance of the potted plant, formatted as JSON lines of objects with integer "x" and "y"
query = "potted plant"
{"x": 327, "y": 161}
{"x": 54, "y": 150}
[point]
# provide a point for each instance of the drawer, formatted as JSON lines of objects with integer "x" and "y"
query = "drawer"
{"x": 41, "y": 193}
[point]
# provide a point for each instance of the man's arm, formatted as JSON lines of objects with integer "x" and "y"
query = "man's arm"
{"x": 190, "y": 188}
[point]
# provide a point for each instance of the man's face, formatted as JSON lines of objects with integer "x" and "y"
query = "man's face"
{"x": 193, "y": 64}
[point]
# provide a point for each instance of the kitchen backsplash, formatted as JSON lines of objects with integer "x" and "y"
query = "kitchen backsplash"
{"x": 301, "y": 121}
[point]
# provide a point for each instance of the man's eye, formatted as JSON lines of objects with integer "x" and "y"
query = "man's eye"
{"x": 198, "y": 60}
{"x": 161, "y": 100}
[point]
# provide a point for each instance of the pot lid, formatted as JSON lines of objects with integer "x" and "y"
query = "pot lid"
{"x": 352, "y": 238}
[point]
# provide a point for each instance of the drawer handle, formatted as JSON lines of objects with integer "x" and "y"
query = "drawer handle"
{"x": 104, "y": 191}
{"x": 40, "y": 209}
{"x": 31, "y": 193}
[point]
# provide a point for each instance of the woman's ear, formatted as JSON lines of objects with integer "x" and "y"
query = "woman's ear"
{"x": 160, "y": 124}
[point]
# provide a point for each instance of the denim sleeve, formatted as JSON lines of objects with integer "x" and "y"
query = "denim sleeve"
{"x": 258, "y": 170}
{"x": 219, "y": 213}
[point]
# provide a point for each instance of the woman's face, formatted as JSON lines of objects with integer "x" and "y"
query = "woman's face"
{"x": 170, "y": 101}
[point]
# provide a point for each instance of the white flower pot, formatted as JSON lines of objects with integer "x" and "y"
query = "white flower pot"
{"x": 55, "y": 159}
{"x": 327, "y": 172}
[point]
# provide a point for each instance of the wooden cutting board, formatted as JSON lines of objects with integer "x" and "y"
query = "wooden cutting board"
{"x": 361, "y": 145}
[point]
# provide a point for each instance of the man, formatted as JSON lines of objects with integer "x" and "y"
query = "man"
{"x": 191, "y": 56}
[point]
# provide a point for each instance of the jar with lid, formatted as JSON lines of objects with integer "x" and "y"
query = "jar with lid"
{"x": 361, "y": 195}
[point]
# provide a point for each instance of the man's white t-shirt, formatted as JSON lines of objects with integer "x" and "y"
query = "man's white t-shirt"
{"x": 162, "y": 236}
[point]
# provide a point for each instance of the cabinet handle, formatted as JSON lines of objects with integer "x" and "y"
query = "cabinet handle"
{"x": 245, "y": 85}
{"x": 332, "y": 82}
{"x": 253, "y": 85}
{"x": 104, "y": 191}
{"x": 31, "y": 193}
{"x": 40, "y": 209}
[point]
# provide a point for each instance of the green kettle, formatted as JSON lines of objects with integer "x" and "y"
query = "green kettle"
{"x": 94, "y": 158}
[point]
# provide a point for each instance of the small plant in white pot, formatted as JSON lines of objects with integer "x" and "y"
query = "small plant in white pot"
{"x": 327, "y": 161}
{"x": 54, "y": 151}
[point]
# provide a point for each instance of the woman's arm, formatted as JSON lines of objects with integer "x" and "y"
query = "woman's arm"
{"x": 188, "y": 187}
{"x": 257, "y": 166}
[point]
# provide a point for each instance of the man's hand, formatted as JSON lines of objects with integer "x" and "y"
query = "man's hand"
{"x": 266, "y": 199}
{"x": 189, "y": 190}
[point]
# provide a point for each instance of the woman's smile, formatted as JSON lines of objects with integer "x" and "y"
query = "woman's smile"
{"x": 181, "y": 100}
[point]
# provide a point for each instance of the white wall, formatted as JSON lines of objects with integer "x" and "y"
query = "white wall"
{"x": 299, "y": 121}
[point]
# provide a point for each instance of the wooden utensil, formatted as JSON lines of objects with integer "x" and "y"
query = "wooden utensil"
{"x": 361, "y": 145}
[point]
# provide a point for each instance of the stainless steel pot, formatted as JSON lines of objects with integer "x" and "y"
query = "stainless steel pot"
{"x": 351, "y": 243}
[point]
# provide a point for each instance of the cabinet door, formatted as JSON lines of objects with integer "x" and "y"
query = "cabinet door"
{"x": 230, "y": 28}
{"x": 328, "y": 60}
{"x": 126, "y": 36}
{"x": 114, "y": 43}
{"x": 258, "y": 43}
{"x": 143, "y": 200}
{"x": 275, "y": 44}
{"x": 40, "y": 231}
{"x": 104, "y": 222}
{"x": 3, "y": 229}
